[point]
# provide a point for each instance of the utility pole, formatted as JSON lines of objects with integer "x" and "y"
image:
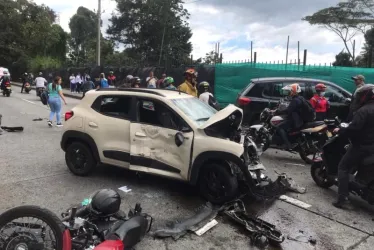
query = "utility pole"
{"x": 98, "y": 48}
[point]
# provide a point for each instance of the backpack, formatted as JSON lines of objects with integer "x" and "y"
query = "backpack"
{"x": 308, "y": 114}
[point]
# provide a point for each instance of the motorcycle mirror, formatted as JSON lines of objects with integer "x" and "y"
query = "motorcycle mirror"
{"x": 179, "y": 139}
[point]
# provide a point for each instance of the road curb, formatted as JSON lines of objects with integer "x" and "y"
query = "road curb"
{"x": 65, "y": 94}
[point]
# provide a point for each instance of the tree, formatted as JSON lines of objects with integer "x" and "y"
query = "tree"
{"x": 343, "y": 59}
{"x": 211, "y": 58}
{"x": 152, "y": 31}
{"x": 346, "y": 19}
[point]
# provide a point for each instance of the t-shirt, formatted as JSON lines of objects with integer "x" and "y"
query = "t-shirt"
{"x": 152, "y": 82}
{"x": 72, "y": 79}
{"x": 205, "y": 97}
{"x": 40, "y": 82}
{"x": 54, "y": 93}
{"x": 104, "y": 83}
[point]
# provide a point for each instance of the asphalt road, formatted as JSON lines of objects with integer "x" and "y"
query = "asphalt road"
{"x": 33, "y": 171}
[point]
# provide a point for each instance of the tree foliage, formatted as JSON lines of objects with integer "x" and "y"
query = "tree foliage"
{"x": 343, "y": 59}
{"x": 345, "y": 19}
{"x": 211, "y": 58}
{"x": 149, "y": 29}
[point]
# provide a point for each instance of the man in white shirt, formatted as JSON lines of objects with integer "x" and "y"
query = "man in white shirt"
{"x": 78, "y": 82}
{"x": 72, "y": 83}
{"x": 206, "y": 95}
{"x": 151, "y": 81}
{"x": 40, "y": 82}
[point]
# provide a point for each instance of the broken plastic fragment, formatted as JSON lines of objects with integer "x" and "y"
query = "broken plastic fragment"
{"x": 125, "y": 189}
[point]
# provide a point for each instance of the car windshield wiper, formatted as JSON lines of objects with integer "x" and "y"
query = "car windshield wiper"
{"x": 202, "y": 119}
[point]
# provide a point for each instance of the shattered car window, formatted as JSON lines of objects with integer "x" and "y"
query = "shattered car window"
{"x": 196, "y": 110}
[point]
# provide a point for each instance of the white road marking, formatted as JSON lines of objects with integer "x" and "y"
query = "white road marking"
{"x": 28, "y": 101}
{"x": 205, "y": 228}
{"x": 294, "y": 164}
{"x": 295, "y": 202}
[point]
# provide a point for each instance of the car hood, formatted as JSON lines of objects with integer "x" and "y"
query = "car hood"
{"x": 232, "y": 114}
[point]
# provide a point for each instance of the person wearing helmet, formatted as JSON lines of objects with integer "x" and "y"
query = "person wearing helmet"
{"x": 294, "y": 119}
{"x": 189, "y": 84}
{"x": 361, "y": 134}
{"x": 168, "y": 83}
{"x": 111, "y": 79}
{"x": 24, "y": 78}
{"x": 319, "y": 102}
{"x": 206, "y": 95}
{"x": 4, "y": 79}
{"x": 135, "y": 82}
{"x": 40, "y": 82}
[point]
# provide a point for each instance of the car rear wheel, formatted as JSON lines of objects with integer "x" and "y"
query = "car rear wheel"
{"x": 79, "y": 159}
{"x": 217, "y": 184}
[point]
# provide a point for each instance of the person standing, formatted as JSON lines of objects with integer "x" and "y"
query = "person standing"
{"x": 103, "y": 82}
{"x": 160, "y": 82}
{"x": 78, "y": 82}
{"x": 319, "y": 102}
{"x": 189, "y": 84}
{"x": 87, "y": 86}
{"x": 111, "y": 79}
{"x": 72, "y": 83}
{"x": 359, "y": 81}
{"x": 54, "y": 100}
{"x": 151, "y": 81}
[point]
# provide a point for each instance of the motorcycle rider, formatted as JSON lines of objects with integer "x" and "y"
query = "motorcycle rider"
{"x": 5, "y": 78}
{"x": 24, "y": 79}
{"x": 294, "y": 119}
{"x": 319, "y": 102}
{"x": 40, "y": 82}
{"x": 359, "y": 81}
{"x": 189, "y": 84}
{"x": 361, "y": 134}
{"x": 206, "y": 95}
{"x": 111, "y": 79}
{"x": 168, "y": 83}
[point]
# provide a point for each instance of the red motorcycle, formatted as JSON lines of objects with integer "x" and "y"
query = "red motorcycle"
{"x": 7, "y": 89}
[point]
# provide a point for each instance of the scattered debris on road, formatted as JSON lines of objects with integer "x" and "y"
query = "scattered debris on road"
{"x": 37, "y": 119}
{"x": 125, "y": 189}
{"x": 301, "y": 237}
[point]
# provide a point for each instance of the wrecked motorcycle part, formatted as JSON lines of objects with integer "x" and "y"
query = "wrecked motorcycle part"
{"x": 204, "y": 213}
{"x": 12, "y": 129}
{"x": 256, "y": 227}
{"x": 289, "y": 184}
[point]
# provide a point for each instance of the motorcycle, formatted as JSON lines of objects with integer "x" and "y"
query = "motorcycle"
{"x": 27, "y": 88}
{"x": 7, "y": 89}
{"x": 309, "y": 138}
{"x": 39, "y": 91}
{"x": 324, "y": 169}
{"x": 72, "y": 232}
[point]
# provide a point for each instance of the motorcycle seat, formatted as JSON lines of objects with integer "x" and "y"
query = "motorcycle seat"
{"x": 368, "y": 160}
{"x": 313, "y": 124}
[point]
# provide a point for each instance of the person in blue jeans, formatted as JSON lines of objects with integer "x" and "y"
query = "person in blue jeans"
{"x": 54, "y": 100}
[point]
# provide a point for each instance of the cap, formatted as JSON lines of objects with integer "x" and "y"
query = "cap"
{"x": 358, "y": 77}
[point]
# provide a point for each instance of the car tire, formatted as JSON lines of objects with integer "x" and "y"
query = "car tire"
{"x": 79, "y": 159}
{"x": 319, "y": 177}
{"x": 211, "y": 177}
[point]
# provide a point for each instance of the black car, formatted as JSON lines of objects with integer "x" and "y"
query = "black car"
{"x": 264, "y": 93}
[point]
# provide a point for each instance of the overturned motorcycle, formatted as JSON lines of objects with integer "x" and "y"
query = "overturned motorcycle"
{"x": 81, "y": 228}
{"x": 307, "y": 140}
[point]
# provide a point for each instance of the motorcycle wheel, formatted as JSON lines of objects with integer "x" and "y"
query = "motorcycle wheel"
{"x": 35, "y": 212}
{"x": 7, "y": 94}
{"x": 319, "y": 175}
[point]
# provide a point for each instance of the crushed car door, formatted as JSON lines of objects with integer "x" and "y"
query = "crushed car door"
{"x": 154, "y": 139}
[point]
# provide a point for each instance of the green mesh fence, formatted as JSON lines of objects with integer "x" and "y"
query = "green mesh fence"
{"x": 230, "y": 79}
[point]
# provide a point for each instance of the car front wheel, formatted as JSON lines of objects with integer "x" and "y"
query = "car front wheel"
{"x": 217, "y": 184}
{"x": 79, "y": 159}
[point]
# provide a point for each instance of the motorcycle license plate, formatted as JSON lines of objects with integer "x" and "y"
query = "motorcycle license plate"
{"x": 328, "y": 133}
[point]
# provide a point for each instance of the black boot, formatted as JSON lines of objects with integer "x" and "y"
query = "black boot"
{"x": 343, "y": 203}
{"x": 286, "y": 142}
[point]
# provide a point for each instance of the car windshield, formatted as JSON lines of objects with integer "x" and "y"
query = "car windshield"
{"x": 196, "y": 110}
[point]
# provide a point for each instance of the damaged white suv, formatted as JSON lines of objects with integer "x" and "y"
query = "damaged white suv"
{"x": 160, "y": 132}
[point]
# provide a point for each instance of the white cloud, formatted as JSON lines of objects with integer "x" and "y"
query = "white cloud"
{"x": 234, "y": 30}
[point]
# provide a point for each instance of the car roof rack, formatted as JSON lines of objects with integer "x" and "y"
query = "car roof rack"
{"x": 139, "y": 90}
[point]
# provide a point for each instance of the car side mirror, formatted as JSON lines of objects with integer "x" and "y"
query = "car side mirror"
{"x": 179, "y": 139}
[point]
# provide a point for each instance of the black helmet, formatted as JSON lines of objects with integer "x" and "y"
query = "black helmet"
{"x": 105, "y": 202}
{"x": 364, "y": 94}
{"x": 204, "y": 87}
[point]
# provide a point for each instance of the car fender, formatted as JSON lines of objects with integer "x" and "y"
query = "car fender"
{"x": 207, "y": 156}
{"x": 70, "y": 136}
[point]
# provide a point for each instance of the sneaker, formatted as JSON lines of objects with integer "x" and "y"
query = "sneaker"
{"x": 50, "y": 123}
{"x": 59, "y": 125}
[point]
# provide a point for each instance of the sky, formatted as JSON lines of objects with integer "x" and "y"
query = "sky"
{"x": 235, "y": 23}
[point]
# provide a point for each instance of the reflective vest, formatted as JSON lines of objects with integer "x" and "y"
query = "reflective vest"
{"x": 319, "y": 103}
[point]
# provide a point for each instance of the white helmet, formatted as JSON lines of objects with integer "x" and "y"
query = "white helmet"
{"x": 293, "y": 88}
